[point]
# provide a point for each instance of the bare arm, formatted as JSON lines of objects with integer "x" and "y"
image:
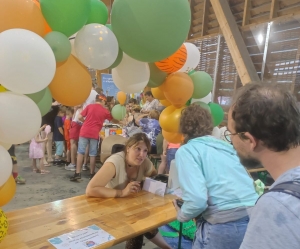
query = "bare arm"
{"x": 165, "y": 146}
{"x": 138, "y": 119}
{"x": 80, "y": 118}
{"x": 61, "y": 130}
{"x": 96, "y": 187}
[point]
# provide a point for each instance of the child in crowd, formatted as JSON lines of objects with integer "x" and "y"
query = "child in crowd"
{"x": 169, "y": 151}
{"x": 58, "y": 135}
{"x": 36, "y": 152}
{"x": 67, "y": 127}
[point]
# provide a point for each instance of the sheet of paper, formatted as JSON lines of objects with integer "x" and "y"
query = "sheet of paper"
{"x": 155, "y": 187}
{"x": 88, "y": 237}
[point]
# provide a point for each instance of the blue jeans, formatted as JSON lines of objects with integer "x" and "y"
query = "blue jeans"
{"x": 83, "y": 142}
{"x": 170, "y": 156}
{"x": 220, "y": 236}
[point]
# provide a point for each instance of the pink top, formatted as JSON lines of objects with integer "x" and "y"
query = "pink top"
{"x": 173, "y": 146}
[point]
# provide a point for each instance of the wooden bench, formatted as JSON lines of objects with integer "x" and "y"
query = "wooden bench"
{"x": 123, "y": 218}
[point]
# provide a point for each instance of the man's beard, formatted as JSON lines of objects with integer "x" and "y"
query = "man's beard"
{"x": 250, "y": 162}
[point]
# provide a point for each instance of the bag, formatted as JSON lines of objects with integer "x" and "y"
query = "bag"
{"x": 290, "y": 188}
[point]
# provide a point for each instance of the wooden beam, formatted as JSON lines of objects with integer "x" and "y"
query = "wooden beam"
{"x": 235, "y": 42}
{"x": 274, "y": 9}
{"x": 246, "y": 15}
{"x": 206, "y": 4}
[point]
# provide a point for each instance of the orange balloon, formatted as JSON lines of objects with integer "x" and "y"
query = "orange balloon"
{"x": 165, "y": 102}
{"x": 158, "y": 93}
{"x": 72, "y": 83}
{"x": 22, "y": 14}
{"x": 121, "y": 97}
{"x": 175, "y": 62}
{"x": 178, "y": 89}
{"x": 175, "y": 138}
{"x": 46, "y": 25}
{"x": 7, "y": 191}
{"x": 169, "y": 119}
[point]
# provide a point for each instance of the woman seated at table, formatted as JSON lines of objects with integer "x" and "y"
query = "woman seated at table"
{"x": 121, "y": 176}
{"x": 216, "y": 188}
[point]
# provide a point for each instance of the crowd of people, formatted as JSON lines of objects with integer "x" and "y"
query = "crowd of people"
{"x": 217, "y": 191}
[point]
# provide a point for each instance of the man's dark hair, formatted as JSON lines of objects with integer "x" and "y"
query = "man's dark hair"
{"x": 133, "y": 101}
{"x": 269, "y": 113}
{"x": 149, "y": 93}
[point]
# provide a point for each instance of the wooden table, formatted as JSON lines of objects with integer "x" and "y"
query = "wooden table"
{"x": 123, "y": 218}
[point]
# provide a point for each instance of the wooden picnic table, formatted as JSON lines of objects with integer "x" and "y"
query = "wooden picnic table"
{"x": 123, "y": 218}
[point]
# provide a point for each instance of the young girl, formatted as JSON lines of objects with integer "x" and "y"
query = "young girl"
{"x": 67, "y": 127}
{"x": 36, "y": 152}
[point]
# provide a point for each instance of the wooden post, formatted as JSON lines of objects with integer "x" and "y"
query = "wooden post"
{"x": 235, "y": 42}
{"x": 246, "y": 15}
{"x": 206, "y": 4}
{"x": 274, "y": 9}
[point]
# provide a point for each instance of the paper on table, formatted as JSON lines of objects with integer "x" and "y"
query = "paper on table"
{"x": 155, "y": 187}
{"x": 88, "y": 237}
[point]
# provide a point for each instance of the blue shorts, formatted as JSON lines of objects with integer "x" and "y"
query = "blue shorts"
{"x": 59, "y": 148}
{"x": 83, "y": 142}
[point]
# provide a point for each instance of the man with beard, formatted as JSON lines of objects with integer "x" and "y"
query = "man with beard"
{"x": 264, "y": 128}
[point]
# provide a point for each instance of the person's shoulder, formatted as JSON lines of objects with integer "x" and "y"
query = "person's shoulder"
{"x": 281, "y": 202}
{"x": 147, "y": 163}
{"x": 117, "y": 158}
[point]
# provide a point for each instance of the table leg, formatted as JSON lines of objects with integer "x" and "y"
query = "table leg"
{"x": 180, "y": 235}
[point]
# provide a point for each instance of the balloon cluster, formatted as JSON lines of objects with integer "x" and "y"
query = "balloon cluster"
{"x": 175, "y": 83}
{"x": 119, "y": 111}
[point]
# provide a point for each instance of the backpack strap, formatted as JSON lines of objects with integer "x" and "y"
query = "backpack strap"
{"x": 290, "y": 188}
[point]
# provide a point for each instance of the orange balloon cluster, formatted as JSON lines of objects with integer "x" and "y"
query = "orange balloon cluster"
{"x": 46, "y": 25}
{"x": 175, "y": 62}
{"x": 73, "y": 78}
{"x": 172, "y": 137}
{"x": 22, "y": 14}
{"x": 7, "y": 191}
{"x": 169, "y": 119}
{"x": 121, "y": 97}
{"x": 158, "y": 93}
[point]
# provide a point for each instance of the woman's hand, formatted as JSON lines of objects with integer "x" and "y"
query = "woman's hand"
{"x": 132, "y": 187}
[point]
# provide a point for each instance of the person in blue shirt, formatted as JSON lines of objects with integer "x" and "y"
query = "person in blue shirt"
{"x": 216, "y": 189}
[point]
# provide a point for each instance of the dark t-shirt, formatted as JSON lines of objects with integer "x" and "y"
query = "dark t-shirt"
{"x": 57, "y": 136}
{"x": 50, "y": 117}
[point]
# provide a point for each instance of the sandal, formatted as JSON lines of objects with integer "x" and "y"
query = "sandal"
{"x": 44, "y": 172}
{"x": 47, "y": 165}
{"x": 36, "y": 171}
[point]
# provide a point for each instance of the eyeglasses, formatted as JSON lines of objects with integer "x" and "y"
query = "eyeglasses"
{"x": 228, "y": 134}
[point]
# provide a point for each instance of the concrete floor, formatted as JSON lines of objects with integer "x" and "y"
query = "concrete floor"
{"x": 54, "y": 186}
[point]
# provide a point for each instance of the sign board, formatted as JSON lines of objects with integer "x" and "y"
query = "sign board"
{"x": 108, "y": 85}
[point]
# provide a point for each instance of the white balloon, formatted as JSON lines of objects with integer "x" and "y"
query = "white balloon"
{"x": 193, "y": 58}
{"x": 20, "y": 118}
{"x": 206, "y": 99}
{"x": 96, "y": 46}
{"x": 27, "y": 61}
{"x": 5, "y": 145}
{"x": 5, "y": 165}
{"x": 72, "y": 41}
{"x": 131, "y": 76}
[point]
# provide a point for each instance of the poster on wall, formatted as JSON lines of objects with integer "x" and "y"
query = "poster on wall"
{"x": 108, "y": 85}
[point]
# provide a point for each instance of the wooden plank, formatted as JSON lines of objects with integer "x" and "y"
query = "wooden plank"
{"x": 260, "y": 18}
{"x": 235, "y": 42}
{"x": 197, "y": 21}
{"x": 262, "y": 9}
{"x": 198, "y": 7}
{"x": 287, "y": 3}
{"x": 274, "y": 8}
{"x": 197, "y": 28}
{"x": 256, "y": 3}
{"x": 205, "y": 16}
{"x": 246, "y": 15}
{"x": 214, "y": 31}
{"x": 198, "y": 14}
{"x": 291, "y": 10}
{"x": 213, "y": 24}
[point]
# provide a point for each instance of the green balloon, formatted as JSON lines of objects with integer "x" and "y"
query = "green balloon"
{"x": 157, "y": 77}
{"x": 217, "y": 113}
{"x": 36, "y": 97}
{"x": 203, "y": 105}
{"x": 108, "y": 26}
{"x": 150, "y": 30}
{"x": 203, "y": 84}
{"x": 99, "y": 12}
{"x": 118, "y": 112}
{"x": 118, "y": 60}
{"x": 59, "y": 44}
{"x": 66, "y": 16}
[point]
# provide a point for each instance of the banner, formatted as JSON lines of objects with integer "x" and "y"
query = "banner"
{"x": 108, "y": 85}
